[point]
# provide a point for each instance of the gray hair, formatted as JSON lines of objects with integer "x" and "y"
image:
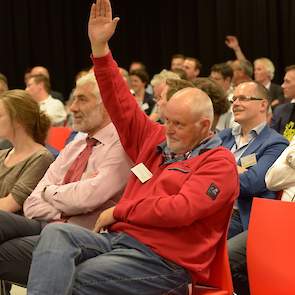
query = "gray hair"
{"x": 268, "y": 65}
{"x": 90, "y": 78}
{"x": 163, "y": 76}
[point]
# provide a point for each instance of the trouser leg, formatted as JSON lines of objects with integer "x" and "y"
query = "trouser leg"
{"x": 15, "y": 259}
{"x": 16, "y": 226}
{"x": 238, "y": 263}
{"x": 70, "y": 259}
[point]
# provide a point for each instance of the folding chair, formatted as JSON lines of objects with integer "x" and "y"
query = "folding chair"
{"x": 270, "y": 247}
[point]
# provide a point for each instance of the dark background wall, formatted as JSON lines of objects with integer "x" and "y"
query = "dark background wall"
{"x": 53, "y": 33}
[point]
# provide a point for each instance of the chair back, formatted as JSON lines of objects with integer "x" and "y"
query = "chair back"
{"x": 270, "y": 247}
{"x": 57, "y": 137}
{"x": 220, "y": 279}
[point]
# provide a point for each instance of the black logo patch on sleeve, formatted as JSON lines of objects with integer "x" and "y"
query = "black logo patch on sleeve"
{"x": 213, "y": 191}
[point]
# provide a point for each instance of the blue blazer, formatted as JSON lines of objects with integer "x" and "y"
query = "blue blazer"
{"x": 267, "y": 147}
{"x": 281, "y": 116}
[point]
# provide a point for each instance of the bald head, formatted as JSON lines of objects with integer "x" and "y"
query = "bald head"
{"x": 39, "y": 70}
{"x": 196, "y": 101}
{"x": 188, "y": 119}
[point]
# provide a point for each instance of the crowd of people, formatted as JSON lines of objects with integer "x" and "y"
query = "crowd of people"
{"x": 155, "y": 174}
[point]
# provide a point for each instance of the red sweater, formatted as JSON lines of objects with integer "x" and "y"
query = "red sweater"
{"x": 172, "y": 213}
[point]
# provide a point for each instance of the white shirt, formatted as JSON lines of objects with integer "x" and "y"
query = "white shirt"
{"x": 281, "y": 175}
{"x": 55, "y": 110}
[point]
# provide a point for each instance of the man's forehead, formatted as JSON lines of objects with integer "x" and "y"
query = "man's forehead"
{"x": 245, "y": 88}
{"x": 290, "y": 75}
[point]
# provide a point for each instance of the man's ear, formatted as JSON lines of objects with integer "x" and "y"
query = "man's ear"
{"x": 205, "y": 124}
{"x": 265, "y": 105}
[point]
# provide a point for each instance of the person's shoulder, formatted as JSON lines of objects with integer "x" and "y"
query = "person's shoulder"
{"x": 275, "y": 86}
{"x": 44, "y": 153}
{"x": 273, "y": 136}
{"x": 283, "y": 106}
{"x": 225, "y": 133}
{"x": 55, "y": 101}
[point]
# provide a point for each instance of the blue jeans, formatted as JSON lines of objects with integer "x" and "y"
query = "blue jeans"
{"x": 73, "y": 260}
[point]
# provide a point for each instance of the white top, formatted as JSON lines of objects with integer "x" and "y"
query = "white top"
{"x": 55, "y": 110}
{"x": 281, "y": 175}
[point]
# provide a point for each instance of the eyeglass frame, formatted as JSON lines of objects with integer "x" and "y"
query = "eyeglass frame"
{"x": 245, "y": 98}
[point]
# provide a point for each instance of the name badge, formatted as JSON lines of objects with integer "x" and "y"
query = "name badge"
{"x": 144, "y": 106}
{"x": 248, "y": 161}
{"x": 142, "y": 173}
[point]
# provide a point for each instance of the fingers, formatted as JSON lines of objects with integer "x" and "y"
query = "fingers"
{"x": 97, "y": 227}
{"x": 115, "y": 22}
{"x": 108, "y": 9}
{"x": 93, "y": 11}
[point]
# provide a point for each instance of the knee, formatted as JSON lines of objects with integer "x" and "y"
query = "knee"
{"x": 56, "y": 233}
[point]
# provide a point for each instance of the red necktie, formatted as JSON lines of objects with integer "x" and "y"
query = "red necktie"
{"x": 78, "y": 167}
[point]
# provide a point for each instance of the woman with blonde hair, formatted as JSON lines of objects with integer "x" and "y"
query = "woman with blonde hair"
{"x": 24, "y": 164}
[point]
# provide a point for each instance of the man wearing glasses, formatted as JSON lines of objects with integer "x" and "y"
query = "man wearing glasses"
{"x": 255, "y": 146}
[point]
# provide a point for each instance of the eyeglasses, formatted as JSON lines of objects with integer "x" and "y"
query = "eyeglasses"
{"x": 243, "y": 98}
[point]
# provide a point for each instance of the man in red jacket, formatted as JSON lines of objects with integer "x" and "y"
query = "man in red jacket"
{"x": 163, "y": 232}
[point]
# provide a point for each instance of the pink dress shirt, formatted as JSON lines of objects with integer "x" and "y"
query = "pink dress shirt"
{"x": 100, "y": 187}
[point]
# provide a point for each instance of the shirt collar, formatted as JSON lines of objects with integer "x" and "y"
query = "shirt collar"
{"x": 207, "y": 144}
{"x": 237, "y": 129}
{"x": 105, "y": 135}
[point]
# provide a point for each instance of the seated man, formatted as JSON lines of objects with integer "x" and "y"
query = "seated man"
{"x": 70, "y": 191}
{"x": 280, "y": 176}
{"x": 39, "y": 88}
{"x": 283, "y": 119}
{"x": 255, "y": 147}
{"x": 174, "y": 210}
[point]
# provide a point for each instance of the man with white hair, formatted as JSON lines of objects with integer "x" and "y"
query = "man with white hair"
{"x": 63, "y": 195}
{"x": 263, "y": 73}
{"x": 174, "y": 210}
{"x": 158, "y": 83}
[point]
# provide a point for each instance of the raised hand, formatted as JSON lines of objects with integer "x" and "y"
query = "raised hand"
{"x": 232, "y": 42}
{"x": 101, "y": 27}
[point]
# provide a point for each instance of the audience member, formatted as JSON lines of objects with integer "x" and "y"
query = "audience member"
{"x": 39, "y": 88}
{"x": 136, "y": 65}
{"x": 280, "y": 176}
{"x": 255, "y": 147}
{"x": 181, "y": 73}
{"x": 40, "y": 70}
{"x": 242, "y": 71}
{"x": 139, "y": 79}
{"x": 175, "y": 207}
{"x": 263, "y": 73}
{"x": 171, "y": 87}
{"x": 3, "y": 83}
{"x": 23, "y": 165}
{"x": 177, "y": 61}
{"x": 217, "y": 95}
{"x": 158, "y": 83}
{"x": 192, "y": 68}
{"x": 70, "y": 191}
{"x": 222, "y": 73}
{"x": 283, "y": 119}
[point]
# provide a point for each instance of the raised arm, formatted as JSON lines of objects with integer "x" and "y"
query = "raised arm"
{"x": 101, "y": 27}
{"x": 233, "y": 43}
{"x": 132, "y": 124}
